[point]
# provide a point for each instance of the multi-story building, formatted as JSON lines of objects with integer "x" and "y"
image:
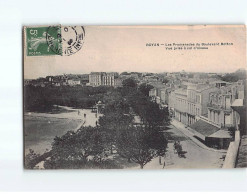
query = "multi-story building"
{"x": 171, "y": 101}
{"x": 219, "y": 106}
{"x": 95, "y": 79}
{"x": 198, "y": 98}
{"x": 160, "y": 94}
{"x": 180, "y": 109}
{"x": 187, "y": 102}
{"x": 208, "y": 102}
{"x": 73, "y": 82}
{"x": 108, "y": 79}
{"x": 103, "y": 78}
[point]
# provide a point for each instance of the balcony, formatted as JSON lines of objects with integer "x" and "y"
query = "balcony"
{"x": 218, "y": 107}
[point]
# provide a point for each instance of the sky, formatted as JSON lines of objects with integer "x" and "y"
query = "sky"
{"x": 123, "y": 48}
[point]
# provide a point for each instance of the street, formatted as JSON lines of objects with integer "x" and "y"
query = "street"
{"x": 194, "y": 155}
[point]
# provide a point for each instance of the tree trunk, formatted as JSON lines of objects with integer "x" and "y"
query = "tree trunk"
{"x": 141, "y": 165}
{"x": 160, "y": 160}
{"x": 111, "y": 150}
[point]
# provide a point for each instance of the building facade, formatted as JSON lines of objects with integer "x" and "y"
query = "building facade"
{"x": 160, "y": 94}
{"x": 180, "y": 110}
{"x": 73, "y": 82}
{"x": 95, "y": 79}
{"x": 219, "y": 106}
{"x": 198, "y": 98}
{"x": 104, "y": 79}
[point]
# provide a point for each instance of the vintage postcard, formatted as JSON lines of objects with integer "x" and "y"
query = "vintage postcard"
{"x": 134, "y": 97}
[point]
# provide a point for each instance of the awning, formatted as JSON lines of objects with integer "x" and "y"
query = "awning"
{"x": 204, "y": 128}
{"x": 221, "y": 134}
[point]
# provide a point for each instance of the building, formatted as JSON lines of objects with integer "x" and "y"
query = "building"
{"x": 220, "y": 102}
{"x": 108, "y": 79}
{"x": 186, "y": 102}
{"x": 105, "y": 79}
{"x": 56, "y": 80}
{"x": 160, "y": 94}
{"x": 171, "y": 102}
{"x": 213, "y": 128}
{"x": 74, "y": 82}
{"x": 98, "y": 108}
{"x": 84, "y": 79}
{"x": 219, "y": 84}
{"x": 197, "y": 100}
{"x": 210, "y": 134}
{"x": 95, "y": 79}
{"x": 180, "y": 110}
{"x": 150, "y": 78}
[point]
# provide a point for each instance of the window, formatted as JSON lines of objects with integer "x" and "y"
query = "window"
{"x": 198, "y": 99}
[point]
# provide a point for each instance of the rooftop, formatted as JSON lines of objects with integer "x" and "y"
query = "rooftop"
{"x": 221, "y": 134}
{"x": 204, "y": 128}
{"x": 181, "y": 91}
{"x": 199, "y": 87}
{"x": 219, "y": 81}
{"x": 159, "y": 85}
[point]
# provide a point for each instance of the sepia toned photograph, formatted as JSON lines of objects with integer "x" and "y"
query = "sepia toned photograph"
{"x": 134, "y": 97}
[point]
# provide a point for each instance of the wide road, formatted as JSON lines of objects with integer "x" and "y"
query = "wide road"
{"x": 195, "y": 156}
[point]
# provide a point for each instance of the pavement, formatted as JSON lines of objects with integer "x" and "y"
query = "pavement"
{"x": 180, "y": 126}
{"x": 87, "y": 117}
{"x": 195, "y": 155}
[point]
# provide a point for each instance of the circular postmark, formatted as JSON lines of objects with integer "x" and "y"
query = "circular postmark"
{"x": 54, "y": 40}
{"x": 72, "y": 39}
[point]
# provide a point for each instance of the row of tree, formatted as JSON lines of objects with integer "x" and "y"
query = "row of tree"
{"x": 42, "y": 99}
{"x": 117, "y": 133}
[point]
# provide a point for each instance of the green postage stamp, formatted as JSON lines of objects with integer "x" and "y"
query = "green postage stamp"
{"x": 54, "y": 40}
{"x": 43, "y": 41}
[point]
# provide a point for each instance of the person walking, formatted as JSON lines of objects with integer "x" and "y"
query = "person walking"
{"x": 175, "y": 147}
{"x": 164, "y": 164}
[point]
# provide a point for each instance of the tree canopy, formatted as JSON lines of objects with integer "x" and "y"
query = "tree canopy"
{"x": 145, "y": 88}
{"x": 86, "y": 148}
{"x": 235, "y": 76}
{"x": 117, "y": 130}
{"x": 41, "y": 99}
{"x": 130, "y": 83}
{"x": 141, "y": 145}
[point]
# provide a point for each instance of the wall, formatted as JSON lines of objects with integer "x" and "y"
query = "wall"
{"x": 232, "y": 153}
